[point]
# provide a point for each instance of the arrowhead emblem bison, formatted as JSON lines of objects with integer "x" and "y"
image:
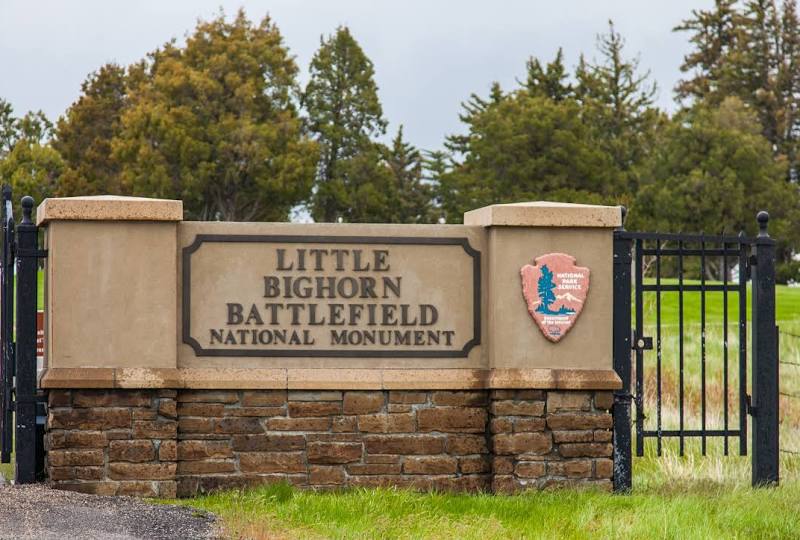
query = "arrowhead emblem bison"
{"x": 555, "y": 292}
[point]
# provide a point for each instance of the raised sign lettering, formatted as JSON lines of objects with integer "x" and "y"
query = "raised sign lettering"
{"x": 300, "y": 296}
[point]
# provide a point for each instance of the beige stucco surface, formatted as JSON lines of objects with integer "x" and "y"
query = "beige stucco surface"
{"x": 440, "y": 275}
{"x": 114, "y": 299}
{"x": 110, "y": 294}
{"x": 545, "y": 214}
{"x": 108, "y": 208}
{"x": 516, "y": 341}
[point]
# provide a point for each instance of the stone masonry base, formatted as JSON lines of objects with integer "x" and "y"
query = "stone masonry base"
{"x": 167, "y": 443}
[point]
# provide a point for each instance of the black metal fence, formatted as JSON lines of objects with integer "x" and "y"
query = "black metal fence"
{"x": 22, "y": 407}
{"x": 650, "y": 266}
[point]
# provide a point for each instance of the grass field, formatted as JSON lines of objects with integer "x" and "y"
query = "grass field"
{"x": 674, "y": 497}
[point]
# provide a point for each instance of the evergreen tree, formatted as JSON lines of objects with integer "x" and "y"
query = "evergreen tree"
{"x": 523, "y": 147}
{"x": 84, "y": 134}
{"x": 368, "y": 189}
{"x": 544, "y": 288}
{"x": 712, "y": 171}
{"x": 767, "y": 70}
{"x": 215, "y": 123}
{"x": 750, "y": 51}
{"x": 617, "y": 102}
{"x": 472, "y": 110}
{"x": 714, "y": 36}
{"x": 411, "y": 198}
{"x": 549, "y": 81}
{"x": 344, "y": 113}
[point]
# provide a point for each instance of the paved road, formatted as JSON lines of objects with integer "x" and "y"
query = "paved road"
{"x": 37, "y": 512}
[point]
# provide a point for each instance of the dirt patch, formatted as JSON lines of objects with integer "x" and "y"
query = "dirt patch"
{"x": 38, "y": 512}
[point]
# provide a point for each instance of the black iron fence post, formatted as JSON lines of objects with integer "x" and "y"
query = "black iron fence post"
{"x": 6, "y": 330}
{"x": 26, "y": 437}
{"x": 622, "y": 360}
{"x": 765, "y": 360}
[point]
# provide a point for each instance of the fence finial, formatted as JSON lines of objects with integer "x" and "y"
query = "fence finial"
{"x": 624, "y": 211}
{"x": 763, "y": 221}
{"x": 6, "y": 192}
{"x": 27, "y": 209}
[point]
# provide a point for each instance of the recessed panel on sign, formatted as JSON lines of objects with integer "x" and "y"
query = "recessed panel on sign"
{"x": 330, "y": 296}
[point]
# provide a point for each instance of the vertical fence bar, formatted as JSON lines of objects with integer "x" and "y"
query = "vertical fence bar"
{"x": 622, "y": 361}
{"x": 639, "y": 352}
{"x": 680, "y": 344}
{"x": 743, "y": 247}
{"x": 6, "y": 330}
{"x": 765, "y": 361}
{"x": 26, "y": 437}
{"x": 703, "y": 345}
{"x": 658, "y": 347}
{"x": 725, "y": 343}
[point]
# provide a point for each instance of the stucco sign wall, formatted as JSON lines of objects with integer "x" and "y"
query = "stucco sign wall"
{"x": 330, "y": 295}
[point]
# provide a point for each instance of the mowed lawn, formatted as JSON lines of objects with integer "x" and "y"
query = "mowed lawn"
{"x": 690, "y": 496}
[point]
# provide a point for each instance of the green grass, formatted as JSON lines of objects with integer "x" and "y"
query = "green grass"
{"x": 682, "y": 511}
{"x": 787, "y": 304}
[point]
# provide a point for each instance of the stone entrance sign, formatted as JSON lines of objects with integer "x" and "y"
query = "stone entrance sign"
{"x": 183, "y": 356}
{"x": 264, "y": 295}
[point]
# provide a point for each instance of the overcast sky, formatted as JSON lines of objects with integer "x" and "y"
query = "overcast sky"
{"x": 428, "y": 55}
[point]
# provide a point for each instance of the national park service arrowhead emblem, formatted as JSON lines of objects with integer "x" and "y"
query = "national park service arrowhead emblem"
{"x": 555, "y": 291}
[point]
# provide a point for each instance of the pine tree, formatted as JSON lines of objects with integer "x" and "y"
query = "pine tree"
{"x": 523, "y": 147}
{"x": 714, "y": 36}
{"x": 617, "y": 101}
{"x": 751, "y": 51}
{"x": 411, "y": 196}
{"x": 344, "y": 114}
{"x": 549, "y": 81}
{"x": 545, "y": 287}
{"x": 472, "y": 110}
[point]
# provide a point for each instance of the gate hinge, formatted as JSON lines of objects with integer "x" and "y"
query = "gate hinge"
{"x": 642, "y": 343}
{"x": 751, "y": 262}
{"x": 748, "y": 401}
{"x": 622, "y": 396}
{"x": 35, "y": 253}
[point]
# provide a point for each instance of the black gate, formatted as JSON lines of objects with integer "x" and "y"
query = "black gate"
{"x": 695, "y": 273}
{"x": 22, "y": 407}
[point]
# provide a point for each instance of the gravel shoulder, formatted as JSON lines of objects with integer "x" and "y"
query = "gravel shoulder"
{"x": 38, "y": 512}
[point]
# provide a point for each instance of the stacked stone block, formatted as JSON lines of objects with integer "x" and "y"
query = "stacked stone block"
{"x": 555, "y": 438}
{"x": 166, "y": 442}
{"x": 113, "y": 442}
{"x": 330, "y": 439}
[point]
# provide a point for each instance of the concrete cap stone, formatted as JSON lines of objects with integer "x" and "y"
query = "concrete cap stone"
{"x": 545, "y": 214}
{"x": 108, "y": 208}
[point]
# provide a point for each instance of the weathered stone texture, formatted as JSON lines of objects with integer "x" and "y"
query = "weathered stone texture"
{"x": 166, "y": 443}
{"x": 548, "y": 439}
{"x": 113, "y": 442}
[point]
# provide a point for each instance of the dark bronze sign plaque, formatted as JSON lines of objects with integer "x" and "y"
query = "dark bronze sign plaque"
{"x": 331, "y": 296}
